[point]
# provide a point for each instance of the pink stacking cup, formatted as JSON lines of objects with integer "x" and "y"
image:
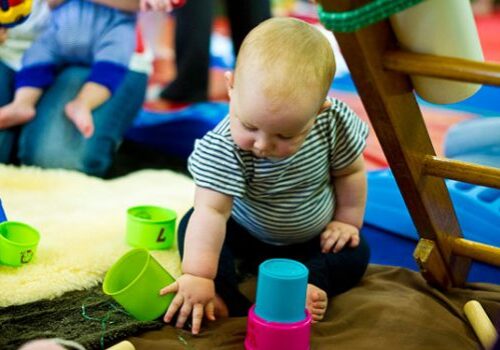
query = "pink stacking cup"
{"x": 264, "y": 335}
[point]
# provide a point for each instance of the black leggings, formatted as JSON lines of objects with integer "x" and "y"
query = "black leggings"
{"x": 334, "y": 273}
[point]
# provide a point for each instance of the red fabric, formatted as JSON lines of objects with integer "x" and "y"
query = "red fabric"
{"x": 488, "y": 27}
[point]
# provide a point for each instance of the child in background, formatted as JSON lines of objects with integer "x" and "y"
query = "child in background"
{"x": 79, "y": 32}
{"x": 281, "y": 176}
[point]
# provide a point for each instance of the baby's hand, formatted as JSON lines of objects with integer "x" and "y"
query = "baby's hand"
{"x": 336, "y": 235}
{"x": 3, "y": 35}
{"x": 161, "y": 5}
{"x": 195, "y": 295}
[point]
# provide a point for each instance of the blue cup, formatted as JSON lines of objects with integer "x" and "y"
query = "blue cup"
{"x": 3, "y": 217}
{"x": 281, "y": 291}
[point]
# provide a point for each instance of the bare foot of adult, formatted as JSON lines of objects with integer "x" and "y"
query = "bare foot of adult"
{"x": 220, "y": 306}
{"x": 15, "y": 114}
{"x": 316, "y": 302}
{"x": 81, "y": 115}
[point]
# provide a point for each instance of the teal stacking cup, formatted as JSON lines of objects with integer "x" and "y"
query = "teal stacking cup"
{"x": 135, "y": 280}
{"x": 281, "y": 291}
{"x": 18, "y": 243}
{"x": 151, "y": 227}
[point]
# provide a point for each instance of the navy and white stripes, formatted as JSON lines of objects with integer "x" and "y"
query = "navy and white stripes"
{"x": 284, "y": 201}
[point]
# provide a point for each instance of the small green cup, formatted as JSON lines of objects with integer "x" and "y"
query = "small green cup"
{"x": 135, "y": 280}
{"x": 18, "y": 243}
{"x": 151, "y": 227}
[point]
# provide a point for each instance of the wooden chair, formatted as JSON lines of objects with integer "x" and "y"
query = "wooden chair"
{"x": 380, "y": 71}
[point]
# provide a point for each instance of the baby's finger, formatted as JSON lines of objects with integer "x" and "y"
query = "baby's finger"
{"x": 172, "y": 309}
{"x": 341, "y": 241}
{"x": 327, "y": 247}
{"x": 330, "y": 242}
{"x": 183, "y": 315}
{"x": 210, "y": 311}
{"x": 197, "y": 317}
{"x": 171, "y": 288}
{"x": 354, "y": 241}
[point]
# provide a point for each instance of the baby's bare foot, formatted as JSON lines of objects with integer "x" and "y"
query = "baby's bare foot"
{"x": 316, "y": 302}
{"x": 221, "y": 309}
{"x": 81, "y": 115}
{"x": 15, "y": 114}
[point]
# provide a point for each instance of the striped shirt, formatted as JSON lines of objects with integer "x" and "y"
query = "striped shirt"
{"x": 284, "y": 201}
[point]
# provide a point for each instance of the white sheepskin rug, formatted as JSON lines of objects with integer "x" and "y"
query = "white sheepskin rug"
{"x": 81, "y": 220}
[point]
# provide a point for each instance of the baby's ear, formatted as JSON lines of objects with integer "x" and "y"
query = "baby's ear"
{"x": 229, "y": 77}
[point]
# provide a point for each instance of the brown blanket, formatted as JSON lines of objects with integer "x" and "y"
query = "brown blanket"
{"x": 392, "y": 308}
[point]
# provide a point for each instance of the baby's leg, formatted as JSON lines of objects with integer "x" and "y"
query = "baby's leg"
{"x": 79, "y": 111}
{"x": 333, "y": 273}
{"x": 22, "y": 109}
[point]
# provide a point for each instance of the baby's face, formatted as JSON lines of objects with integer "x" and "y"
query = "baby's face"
{"x": 270, "y": 129}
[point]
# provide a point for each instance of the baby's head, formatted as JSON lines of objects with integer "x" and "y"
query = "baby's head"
{"x": 282, "y": 76}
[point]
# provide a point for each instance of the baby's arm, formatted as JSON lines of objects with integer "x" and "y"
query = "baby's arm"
{"x": 350, "y": 199}
{"x": 204, "y": 237}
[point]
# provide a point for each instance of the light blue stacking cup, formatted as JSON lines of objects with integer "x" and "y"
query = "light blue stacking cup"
{"x": 281, "y": 291}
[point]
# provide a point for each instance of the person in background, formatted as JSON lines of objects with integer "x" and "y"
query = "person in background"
{"x": 192, "y": 43}
{"x": 281, "y": 176}
{"x": 82, "y": 32}
{"x": 48, "y": 138}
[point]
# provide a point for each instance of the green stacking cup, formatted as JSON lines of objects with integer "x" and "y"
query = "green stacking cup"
{"x": 135, "y": 280}
{"x": 151, "y": 227}
{"x": 18, "y": 243}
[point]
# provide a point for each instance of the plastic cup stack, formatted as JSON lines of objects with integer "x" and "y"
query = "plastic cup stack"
{"x": 279, "y": 319}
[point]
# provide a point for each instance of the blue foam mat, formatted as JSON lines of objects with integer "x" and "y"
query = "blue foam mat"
{"x": 477, "y": 208}
{"x": 3, "y": 217}
{"x": 388, "y": 248}
{"x": 174, "y": 132}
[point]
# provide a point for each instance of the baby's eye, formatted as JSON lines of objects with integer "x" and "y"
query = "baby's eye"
{"x": 249, "y": 128}
{"x": 283, "y": 137}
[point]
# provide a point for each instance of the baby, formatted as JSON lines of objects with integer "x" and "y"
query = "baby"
{"x": 79, "y": 32}
{"x": 281, "y": 176}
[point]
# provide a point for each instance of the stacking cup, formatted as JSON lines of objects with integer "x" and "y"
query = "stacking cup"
{"x": 135, "y": 280}
{"x": 281, "y": 291}
{"x": 18, "y": 243}
{"x": 150, "y": 227}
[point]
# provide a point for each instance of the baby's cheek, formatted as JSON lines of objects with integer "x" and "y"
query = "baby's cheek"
{"x": 245, "y": 143}
{"x": 286, "y": 150}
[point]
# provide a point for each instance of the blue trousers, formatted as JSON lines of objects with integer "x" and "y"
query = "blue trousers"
{"x": 51, "y": 140}
{"x": 242, "y": 253}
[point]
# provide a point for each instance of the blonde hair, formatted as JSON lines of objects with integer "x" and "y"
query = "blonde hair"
{"x": 292, "y": 57}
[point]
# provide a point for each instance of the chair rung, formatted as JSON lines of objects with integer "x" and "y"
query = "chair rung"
{"x": 462, "y": 171}
{"x": 476, "y": 251}
{"x": 451, "y": 68}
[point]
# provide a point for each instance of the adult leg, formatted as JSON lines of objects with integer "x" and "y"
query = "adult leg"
{"x": 7, "y": 136}
{"x": 192, "y": 50}
{"x": 52, "y": 141}
{"x": 244, "y": 15}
